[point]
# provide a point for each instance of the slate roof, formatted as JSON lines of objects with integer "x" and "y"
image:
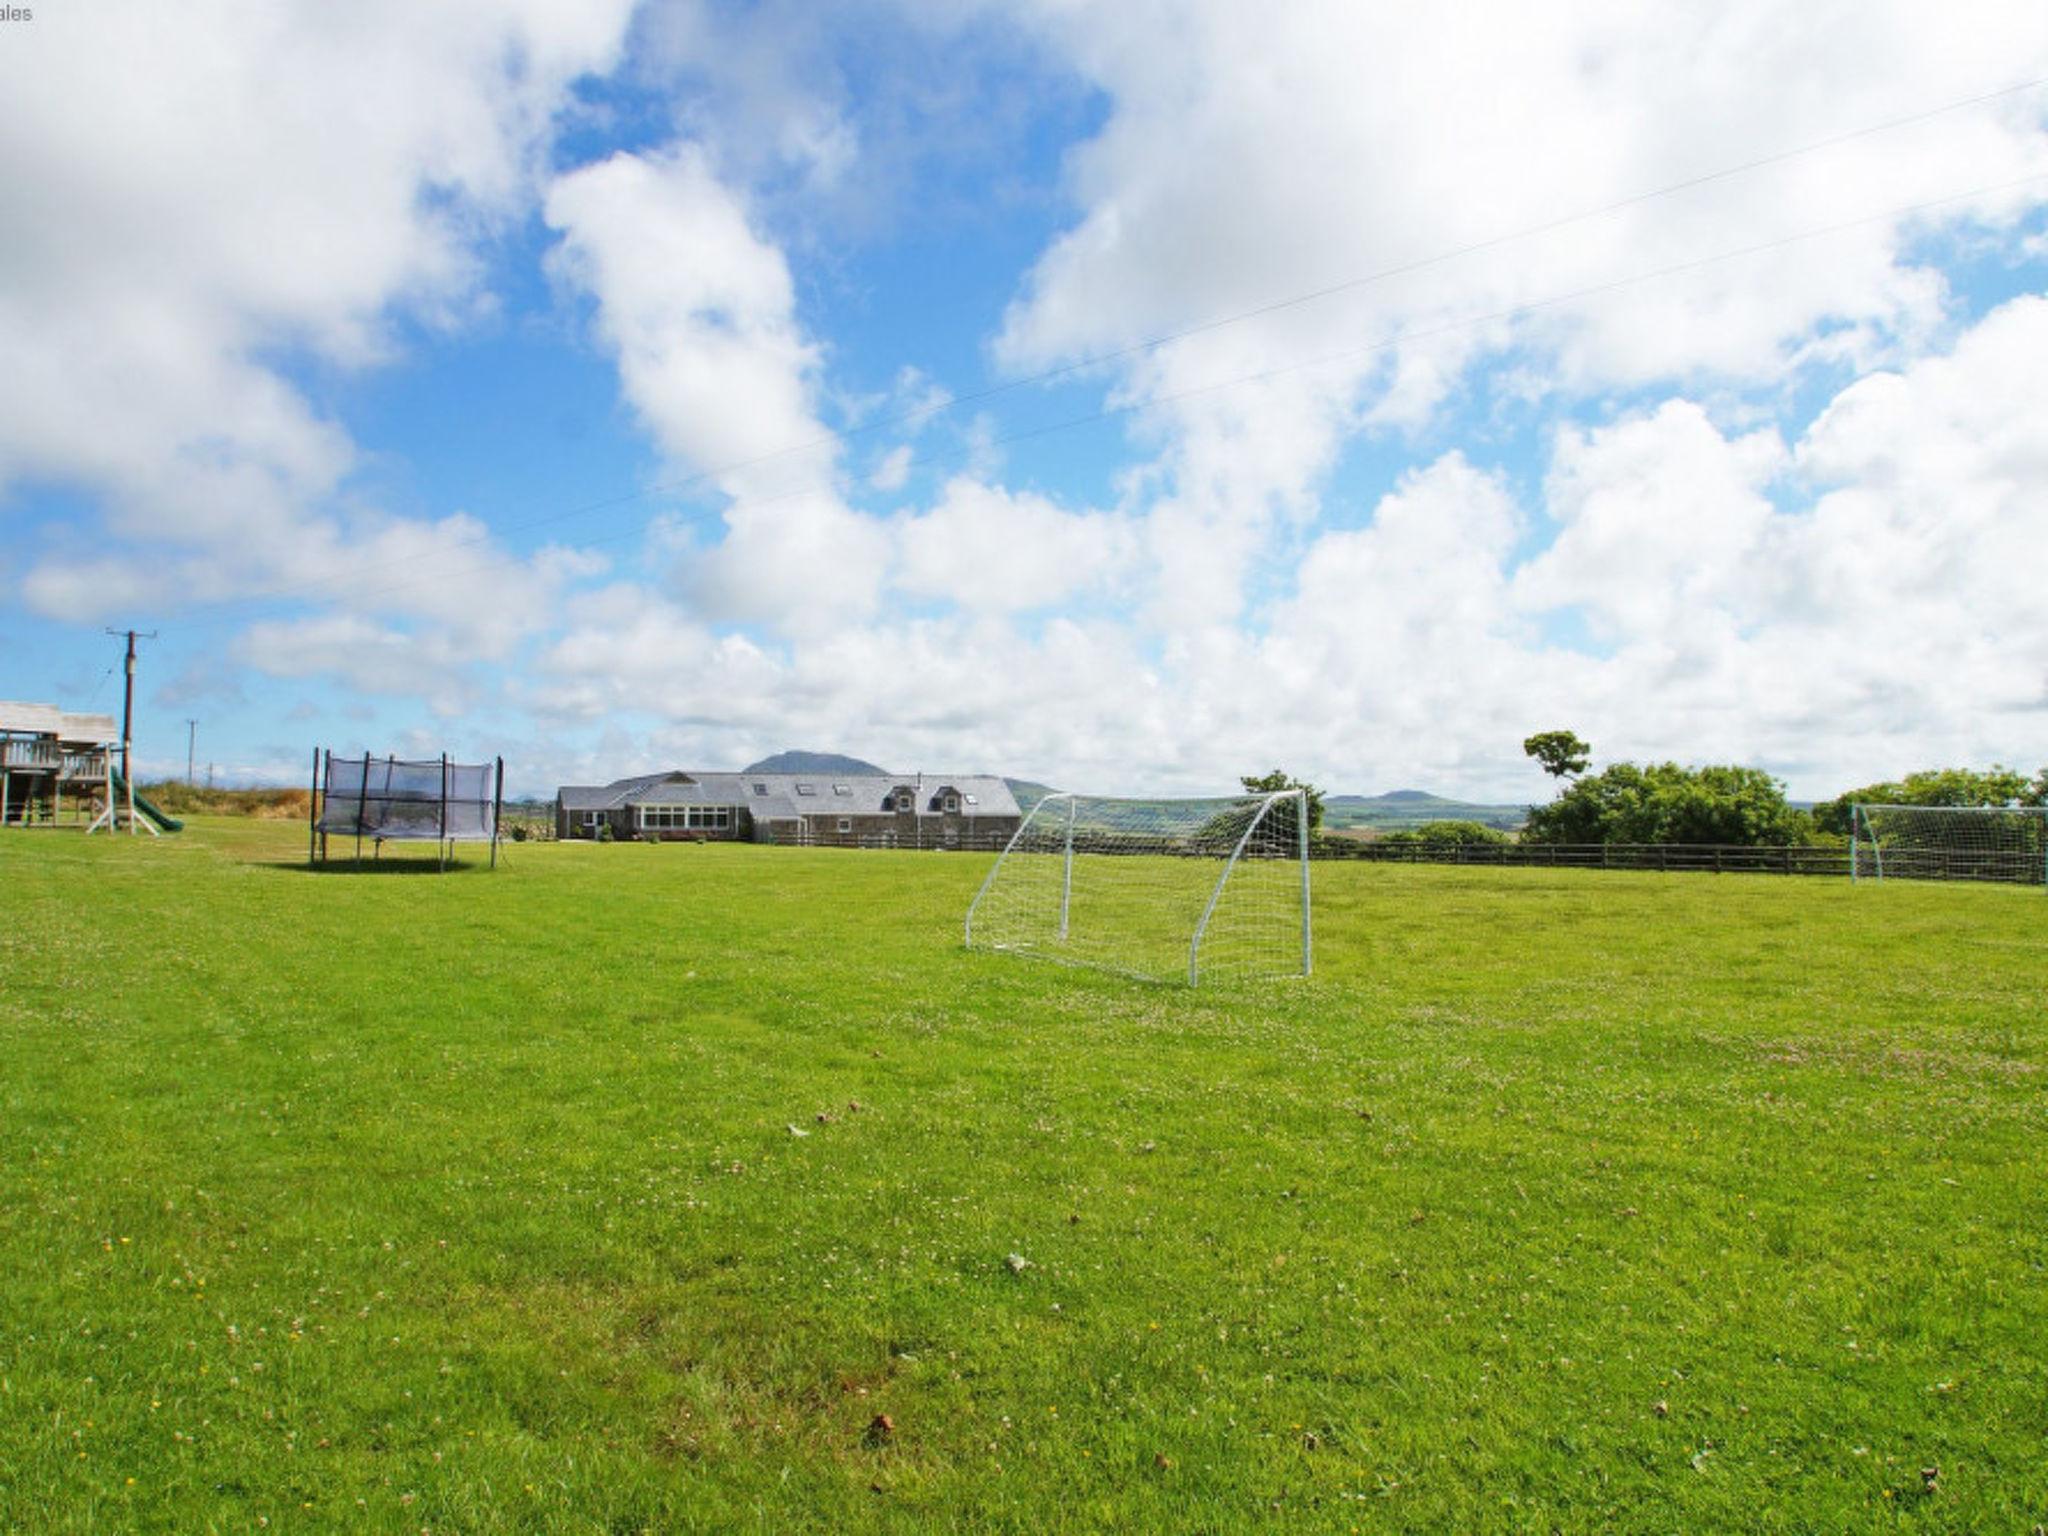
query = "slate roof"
{"x": 786, "y": 796}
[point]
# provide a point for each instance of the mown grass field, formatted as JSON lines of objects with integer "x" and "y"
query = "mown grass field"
{"x": 1556, "y": 1201}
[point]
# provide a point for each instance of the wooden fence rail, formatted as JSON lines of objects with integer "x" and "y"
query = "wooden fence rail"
{"x": 1675, "y": 858}
{"x": 2022, "y": 867}
{"x": 1708, "y": 858}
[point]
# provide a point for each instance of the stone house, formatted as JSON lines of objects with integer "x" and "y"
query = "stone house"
{"x": 816, "y": 810}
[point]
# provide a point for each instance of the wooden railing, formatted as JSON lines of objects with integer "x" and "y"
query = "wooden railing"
{"x": 2020, "y": 867}
{"x": 1730, "y": 858}
{"x": 30, "y": 754}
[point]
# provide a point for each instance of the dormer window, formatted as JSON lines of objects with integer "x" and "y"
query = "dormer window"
{"x": 952, "y": 804}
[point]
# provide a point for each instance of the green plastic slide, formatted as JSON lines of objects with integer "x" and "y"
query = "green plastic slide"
{"x": 144, "y": 808}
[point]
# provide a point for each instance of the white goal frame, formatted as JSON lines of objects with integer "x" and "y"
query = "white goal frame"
{"x": 1050, "y": 827}
{"x": 1998, "y": 843}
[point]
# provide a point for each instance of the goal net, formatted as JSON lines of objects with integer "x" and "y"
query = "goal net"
{"x": 1936, "y": 842}
{"x": 1161, "y": 889}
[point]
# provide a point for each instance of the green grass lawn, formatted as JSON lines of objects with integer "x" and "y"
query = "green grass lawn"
{"x": 623, "y": 1188}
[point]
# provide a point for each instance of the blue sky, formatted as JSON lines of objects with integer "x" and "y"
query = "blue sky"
{"x": 664, "y": 384}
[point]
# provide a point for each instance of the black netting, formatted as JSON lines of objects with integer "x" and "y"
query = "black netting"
{"x": 397, "y": 800}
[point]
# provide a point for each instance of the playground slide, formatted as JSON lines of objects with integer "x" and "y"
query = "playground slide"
{"x": 144, "y": 808}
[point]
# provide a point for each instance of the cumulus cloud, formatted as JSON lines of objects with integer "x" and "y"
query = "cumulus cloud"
{"x": 984, "y": 548}
{"x": 191, "y": 189}
{"x": 700, "y": 312}
{"x": 1249, "y": 156}
{"x": 1856, "y": 602}
{"x": 893, "y": 471}
{"x": 195, "y": 193}
{"x": 1657, "y": 515}
{"x": 698, "y": 309}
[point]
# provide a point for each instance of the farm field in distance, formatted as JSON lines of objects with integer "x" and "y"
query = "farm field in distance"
{"x": 626, "y": 1187}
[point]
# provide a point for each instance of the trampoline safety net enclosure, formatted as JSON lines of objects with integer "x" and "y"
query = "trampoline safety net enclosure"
{"x": 391, "y": 799}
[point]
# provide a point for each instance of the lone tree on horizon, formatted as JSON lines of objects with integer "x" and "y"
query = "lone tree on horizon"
{"x": 1561, "y": 753}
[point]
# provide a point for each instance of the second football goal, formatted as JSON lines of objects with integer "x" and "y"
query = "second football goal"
{"x": 1941, "y": 842}
{"x": 1161, "y": 889}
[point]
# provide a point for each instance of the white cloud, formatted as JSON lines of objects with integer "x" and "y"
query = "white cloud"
{"x": 371, "y": 658}
{"x": 1252, "y": 154}
{"x": 1856, "y": 605}
{"x": 700, "y": 312}
{"x": 987, "y": 549}
{"x": 191, "y": 188}
{"x": 1657, "y": 512}
{"x": 893, "y": 471}
{"x": 194, "y": 192}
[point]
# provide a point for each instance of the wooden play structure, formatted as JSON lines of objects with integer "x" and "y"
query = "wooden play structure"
{"x": 61, "y": 770}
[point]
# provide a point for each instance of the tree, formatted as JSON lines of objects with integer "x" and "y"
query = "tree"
{"x": 1276, "y": 781}
{"x": 1666, "y": 803}
{"x": 1450, "y": 834}
{"x": 1936, "y": 786}
{"x": 1561, "y": 753}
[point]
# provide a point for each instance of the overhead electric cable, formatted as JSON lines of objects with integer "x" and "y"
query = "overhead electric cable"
{"x": 1151, "y": 402}
{"x": 920, "y": 414}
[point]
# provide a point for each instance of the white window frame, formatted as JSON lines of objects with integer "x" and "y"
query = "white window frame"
{"x": 952, "y": 805}
{"x": 845, "y": 824}
{"x": 685, "y": 818}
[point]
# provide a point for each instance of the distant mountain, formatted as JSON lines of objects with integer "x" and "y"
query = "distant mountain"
{"x": 1403, "y": 808}
{"x": 812, "y": 762}
{"x": 1029, "y": 792}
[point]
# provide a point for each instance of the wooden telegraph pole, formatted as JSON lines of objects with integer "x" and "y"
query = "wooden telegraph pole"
{"x": 128, "y": 719}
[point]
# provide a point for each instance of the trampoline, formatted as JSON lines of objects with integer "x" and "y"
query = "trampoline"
{"x": 404, "y": 800}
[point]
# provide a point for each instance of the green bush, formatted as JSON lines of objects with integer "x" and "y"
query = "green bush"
{"x": 1451, "y": 834}
{"x": 1666, "y": 803}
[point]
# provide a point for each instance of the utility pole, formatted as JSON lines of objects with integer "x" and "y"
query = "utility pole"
{"x": 191, "y": 740}
{"x": 128, "y": 698}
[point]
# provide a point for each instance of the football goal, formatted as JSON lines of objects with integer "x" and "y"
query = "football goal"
{"x": 1160, "y": 889}
{"x": 1939, "y": 842}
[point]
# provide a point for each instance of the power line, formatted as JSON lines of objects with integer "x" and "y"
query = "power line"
{"x": 1129, "y": 408}
{"x": 921, "y": 414}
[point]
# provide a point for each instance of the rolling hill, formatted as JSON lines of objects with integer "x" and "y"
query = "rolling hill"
{"x": 1401, "y": 809}
{"x": 812, "y": 762}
